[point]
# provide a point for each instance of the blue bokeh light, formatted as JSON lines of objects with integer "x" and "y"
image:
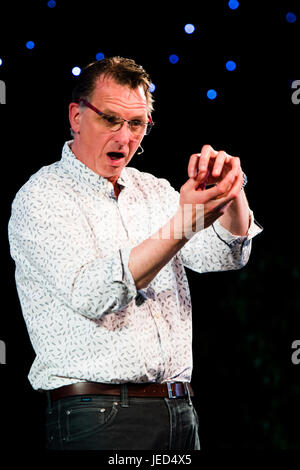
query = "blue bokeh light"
{"x": 290, "y": 17}
{"x": 230, "y": 65}
{"x": 211, "y": 94}
{"x": 152, "y": 87}
{"x": 189, "y": 28}
{"x": 51, "y": 4}
{"x": 76, "y": 71}
{"x": 100, "y": 56}
{"x": 233, "y": 4}
{"x": 173, "y": 58}
{"x": 30, "y": 44}
{"x": 1, "y": 61}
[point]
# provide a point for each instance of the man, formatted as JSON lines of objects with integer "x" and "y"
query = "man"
{"x": 100, "y": 250}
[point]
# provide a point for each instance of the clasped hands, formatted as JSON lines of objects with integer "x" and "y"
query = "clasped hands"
{"x": 215, "y": 181}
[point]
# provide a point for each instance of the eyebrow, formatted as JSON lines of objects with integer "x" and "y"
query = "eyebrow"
{"x": 113, "y": 113}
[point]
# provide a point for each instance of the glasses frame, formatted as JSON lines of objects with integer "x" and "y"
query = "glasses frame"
{"x": 149, "y": 123}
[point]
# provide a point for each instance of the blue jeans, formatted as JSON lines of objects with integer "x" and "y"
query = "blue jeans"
{"x": 102, "y": 422}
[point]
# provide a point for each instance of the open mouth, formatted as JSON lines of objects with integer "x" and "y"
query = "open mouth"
{"x": 115, "y": 155}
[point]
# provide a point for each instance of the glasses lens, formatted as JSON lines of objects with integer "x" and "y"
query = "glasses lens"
{"x": 137, "y": 127}
{"x": 149, "y": 127}
{"x": 111, "y": 123}
{"x": 114, "y": 123}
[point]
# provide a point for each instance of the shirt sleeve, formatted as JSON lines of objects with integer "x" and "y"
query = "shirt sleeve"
{"x": 216, "y": 249}
{"x": 57, "y": 251}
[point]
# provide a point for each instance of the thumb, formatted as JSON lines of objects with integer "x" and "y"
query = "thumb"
{"x": 190, "y": 184}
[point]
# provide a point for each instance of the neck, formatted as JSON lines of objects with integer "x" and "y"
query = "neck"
{"x": 75, "y": 147}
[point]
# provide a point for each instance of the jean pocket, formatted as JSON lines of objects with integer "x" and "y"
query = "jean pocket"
{"x": 83, "y": 421}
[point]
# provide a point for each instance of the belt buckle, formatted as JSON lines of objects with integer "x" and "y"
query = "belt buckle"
{"x": 170, "y": 391}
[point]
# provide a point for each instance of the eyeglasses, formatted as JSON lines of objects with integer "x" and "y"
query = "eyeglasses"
{"x": 114, "y": 123}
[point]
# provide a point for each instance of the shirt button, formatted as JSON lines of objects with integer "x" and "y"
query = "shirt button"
{"x": 157, "y": 315}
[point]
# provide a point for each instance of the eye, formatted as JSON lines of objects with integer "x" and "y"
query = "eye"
{"x": 110, "y": 120}
{"x": 136, "y": 123}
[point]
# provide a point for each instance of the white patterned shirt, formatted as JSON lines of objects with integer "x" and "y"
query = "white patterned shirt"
{"x": 71, "y": 240}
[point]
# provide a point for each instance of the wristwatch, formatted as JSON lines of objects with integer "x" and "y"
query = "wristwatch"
{"x": 245, "y": 181}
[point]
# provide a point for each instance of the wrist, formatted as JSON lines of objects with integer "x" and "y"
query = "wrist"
{"x": 188, "y": 220}
{"x": 236, "y": 217}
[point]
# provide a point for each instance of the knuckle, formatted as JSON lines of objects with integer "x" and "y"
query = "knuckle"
{"x": 237, "y": 161}
{"x": 206, "y": 148}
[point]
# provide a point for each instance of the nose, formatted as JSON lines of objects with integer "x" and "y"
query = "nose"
{"x": 124, "y": 135}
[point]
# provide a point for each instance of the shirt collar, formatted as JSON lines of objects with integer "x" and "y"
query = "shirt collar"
{"x": 84, "y": 174}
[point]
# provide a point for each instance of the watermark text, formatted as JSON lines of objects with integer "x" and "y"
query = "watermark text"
{"x": 296, "y": 94}
{"x": 186, "y": 223}
{"x": 296, "y": 354}
{"x": 2, "y": 92}
{"x": 2, "y": 352}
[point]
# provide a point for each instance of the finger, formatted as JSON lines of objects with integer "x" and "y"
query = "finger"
{"x": 235, "y": 188}
{"x": 202, "y": 185}
{"x": 221, "y": 158}
{"x": 200, "y": 197}
{"x": 235, "y": 164}
{"x": 225, "y": 180}
{"x": 190, "y": 185}
{"x": 207, "y": 153}
{"x": 193, "y": 165}
{"x": 223, "y": 202}
{"x": 220, "y": 190}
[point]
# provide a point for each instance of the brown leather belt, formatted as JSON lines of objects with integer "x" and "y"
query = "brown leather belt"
{"x": 167, "y": 390}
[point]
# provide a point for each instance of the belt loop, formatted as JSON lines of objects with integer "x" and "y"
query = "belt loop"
{"x": 124, "y": 396}
{"x": 186, "y": 386}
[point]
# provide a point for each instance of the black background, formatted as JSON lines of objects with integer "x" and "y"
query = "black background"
{"x": 247, "y": 388}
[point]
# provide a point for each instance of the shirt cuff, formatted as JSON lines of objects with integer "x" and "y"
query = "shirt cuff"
{"x": 254, "y": 229}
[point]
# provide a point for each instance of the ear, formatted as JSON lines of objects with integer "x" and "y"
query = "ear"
{"x": 74, "y": 117}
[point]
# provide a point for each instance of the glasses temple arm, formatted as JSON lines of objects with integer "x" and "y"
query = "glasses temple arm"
{"x": 89, "y": 105}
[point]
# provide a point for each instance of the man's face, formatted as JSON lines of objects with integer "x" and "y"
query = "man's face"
{"x": 92, "y": 145}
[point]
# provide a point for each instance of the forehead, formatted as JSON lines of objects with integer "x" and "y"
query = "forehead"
{"x": 118, "y": 97}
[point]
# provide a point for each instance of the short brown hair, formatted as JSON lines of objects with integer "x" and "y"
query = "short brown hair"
{"x": 123, "y": 71}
